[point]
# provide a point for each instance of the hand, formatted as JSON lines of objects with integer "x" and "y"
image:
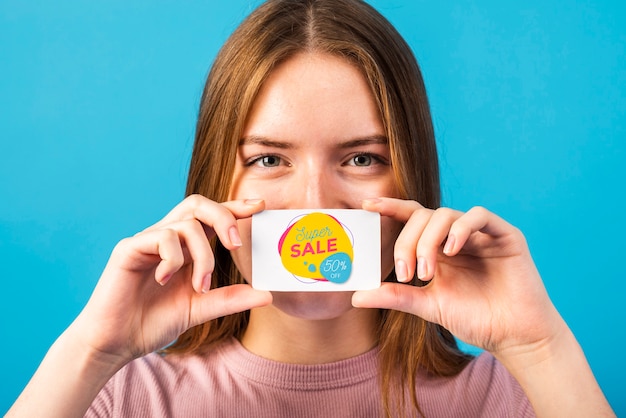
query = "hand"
{"x": 156, "y": 284}
{"x": 483, "y": 285}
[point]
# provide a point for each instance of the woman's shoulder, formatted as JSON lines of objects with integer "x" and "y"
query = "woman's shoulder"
{"x": 484, "y": 387}
{"x": 153, "y": 382}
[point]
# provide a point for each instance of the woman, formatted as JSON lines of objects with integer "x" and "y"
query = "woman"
{"x": 316, "y": 104}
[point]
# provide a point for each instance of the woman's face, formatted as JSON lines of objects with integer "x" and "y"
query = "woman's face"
{"x": 314, "y": 139}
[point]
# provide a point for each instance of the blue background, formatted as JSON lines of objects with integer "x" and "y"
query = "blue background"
{"x": 97, "y": 109}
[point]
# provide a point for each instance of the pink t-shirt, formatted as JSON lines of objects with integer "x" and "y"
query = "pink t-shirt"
{"x": 232, "y": 382}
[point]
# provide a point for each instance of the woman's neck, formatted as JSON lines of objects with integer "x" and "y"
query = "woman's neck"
{"x": 276, "y": 335}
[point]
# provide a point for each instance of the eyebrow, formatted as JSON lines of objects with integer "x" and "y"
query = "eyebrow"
{"x": 351, "y": 143}
{"x": 366, "y": 140}
{"x": 262, "y": 140}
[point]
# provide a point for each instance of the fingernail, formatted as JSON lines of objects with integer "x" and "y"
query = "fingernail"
{"x": 206, "y": 283}
{"x": 165, "y": 279}
{"x": 372, "y": 201}
{"x": 422, "y": 268}
{"x": 356, "y": 299}
{"x": 402, "y": 273}
{"x": 252, "y": 201}
{"x": 449, "y": 244}
{"x": 233, "y": 235}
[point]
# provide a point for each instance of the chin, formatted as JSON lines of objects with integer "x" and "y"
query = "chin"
{"x": 313, "y": 305}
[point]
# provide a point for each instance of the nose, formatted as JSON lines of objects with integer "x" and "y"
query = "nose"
{"x": 316, "y": 187}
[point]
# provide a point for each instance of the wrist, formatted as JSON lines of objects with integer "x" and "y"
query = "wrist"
{"x": 519, "y": 357}
{"x": 76, "y": 340}
{"x": 555, "y": 375}
{"x": 68, "y": 379}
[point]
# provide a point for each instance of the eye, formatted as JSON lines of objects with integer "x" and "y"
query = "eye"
{"x": 362, "y": 160}
{"x": 270, "y": 161}
{"x": 265, "y": 161}
{"x": 367, "y": 161}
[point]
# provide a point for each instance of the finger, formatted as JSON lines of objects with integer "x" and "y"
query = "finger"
{"x": 406, "y": 244}
{"x": 399, "y": 297}
{"x": 196, "y": 244}
{"x": 221, "y": 217}
{"x": 477, "y": 219}
{"x": 244, "y": 208}
{"x": 159, "y": 249}
{"x": 224, "y": 223}
{"x": 433, "y": 236}
{"x": 398, "y": 209}
{"x": 199, "y": 207}
{"x": 227, "y": 300}
{"x": 415, "y": 216}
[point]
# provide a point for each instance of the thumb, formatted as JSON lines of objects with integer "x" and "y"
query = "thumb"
{"x": 227, "y": 300}
{"x": 396, "y": 296}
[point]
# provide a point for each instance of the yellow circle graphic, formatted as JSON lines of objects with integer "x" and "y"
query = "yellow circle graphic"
{"x": 318, "y": 247}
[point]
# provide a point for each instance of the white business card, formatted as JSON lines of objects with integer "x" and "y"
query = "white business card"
{"x": 315, "y": 250}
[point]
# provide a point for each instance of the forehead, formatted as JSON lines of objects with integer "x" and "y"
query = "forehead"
{"x": 314, "y": 95}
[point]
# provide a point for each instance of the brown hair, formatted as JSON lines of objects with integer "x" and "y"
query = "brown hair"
{"x": 352, "y": 29}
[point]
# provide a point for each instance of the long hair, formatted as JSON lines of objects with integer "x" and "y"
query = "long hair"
{"x": 353, "y": 30}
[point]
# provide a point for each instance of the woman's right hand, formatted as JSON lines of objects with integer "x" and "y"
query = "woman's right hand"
{"x": 156, "y": 284}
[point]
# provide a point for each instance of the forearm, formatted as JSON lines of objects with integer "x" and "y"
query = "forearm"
{"x": 557, "y": 378}
{"x": 66, "y": 382}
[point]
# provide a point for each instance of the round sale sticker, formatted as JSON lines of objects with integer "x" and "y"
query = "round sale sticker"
{"x": 317, "y": 247}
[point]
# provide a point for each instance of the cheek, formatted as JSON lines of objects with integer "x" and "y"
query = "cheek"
{"x": 242, "y": 257}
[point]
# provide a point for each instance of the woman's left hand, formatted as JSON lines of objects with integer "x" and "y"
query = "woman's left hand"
{"x": 483, "y": 284}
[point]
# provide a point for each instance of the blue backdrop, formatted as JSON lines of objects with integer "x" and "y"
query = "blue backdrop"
{"x": 97, "y": 109}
